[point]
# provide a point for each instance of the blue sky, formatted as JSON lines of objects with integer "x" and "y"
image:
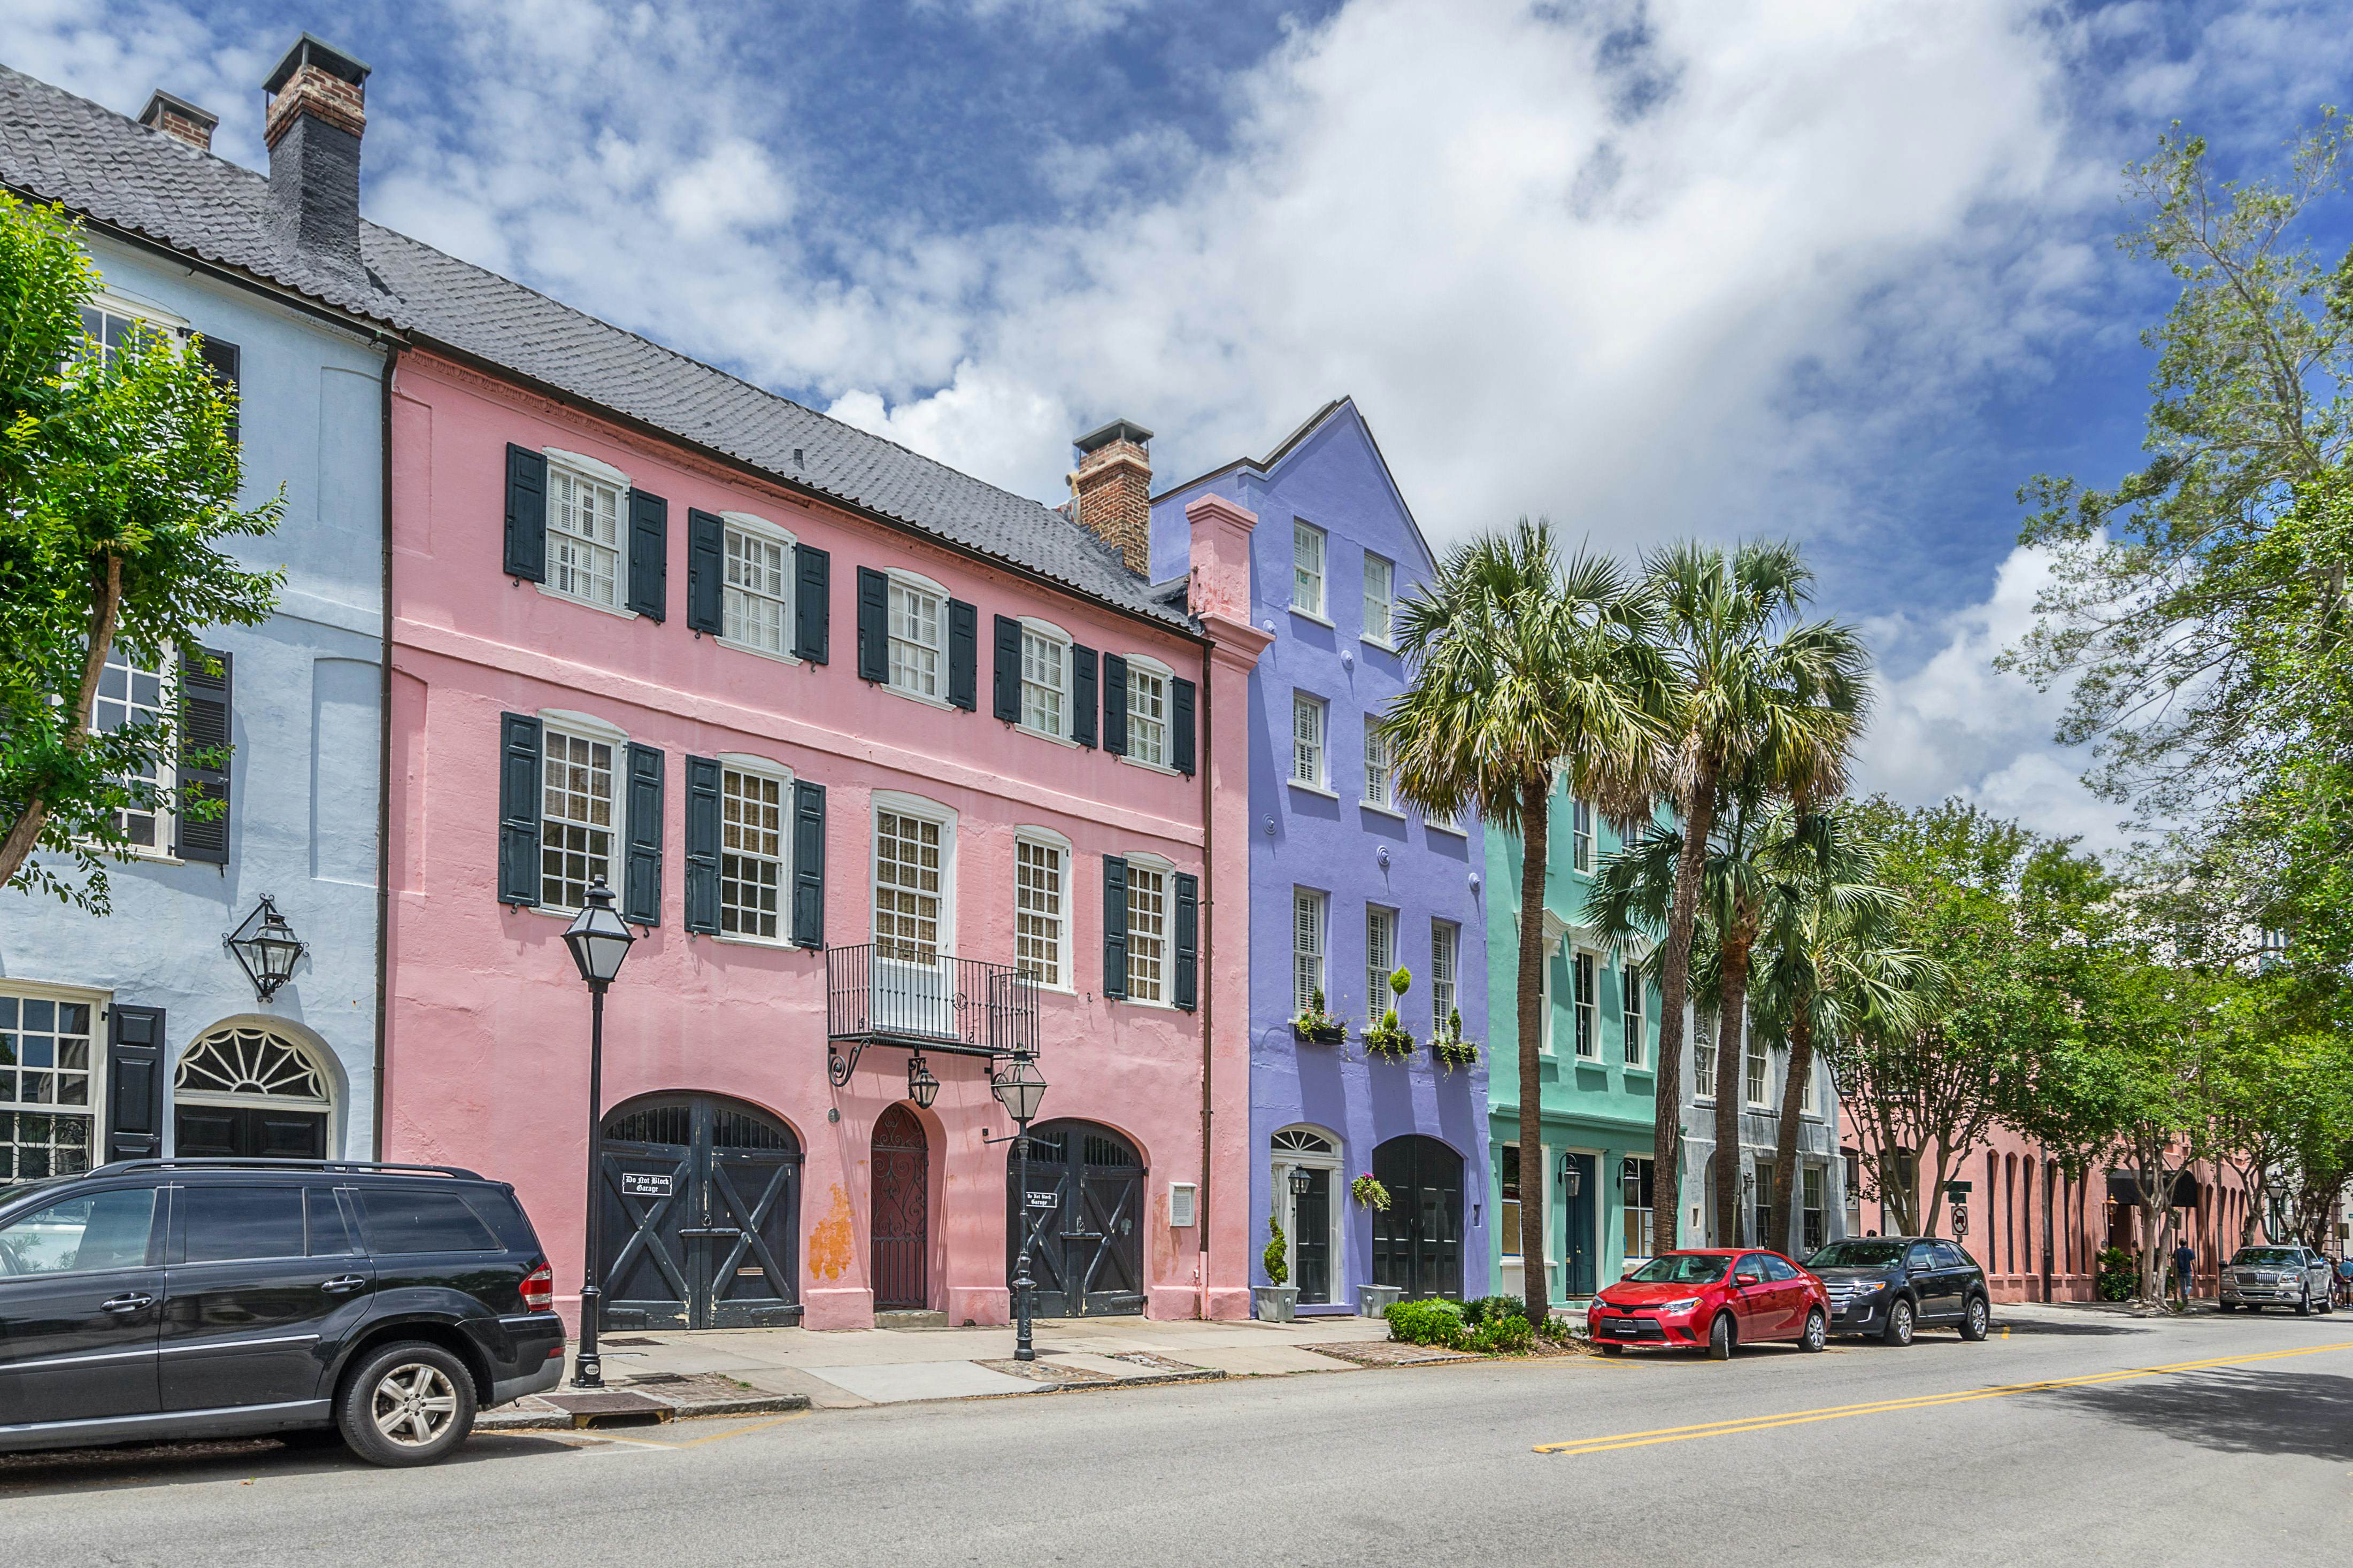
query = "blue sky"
{"x": 1840, "y": 270}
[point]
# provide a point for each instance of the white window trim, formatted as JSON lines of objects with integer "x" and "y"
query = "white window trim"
{"x": 1437, "y": 1023}
{"x": 594, "y": 468}
{"x": 1323, "y": 959}
{"x": 1386, "y": 643}
{"x": 1148, "y": 861}
{"x": 1508, "y": 1236}
{"x": 745, "y": 763}
{"x": 1374, "y": 1010}
{"x": 1382, "y": 810}
{"x": 900, "y": 576}
{"x": 166, "y": 812}
{"x": 1547, "y": 1032}
{"x": 1322, "y": 784}
{"x": 1323, "y": 572}
{"x": 1049, "y": 838}
{"x": 1456, "y": 828}
{"x": 102, "y": 1067}
{"x": 1033, "y": 625}
{"x": 750, "y": 523}
{"x": 1576, "y": 954}
{"x": 621, "y": 611}
{"x": 904, "y": 805}
{"x": 1312, "y": 616}
{"x": 1765, "y": 1099}
{"x": 1280, "y": 1163}
{"x": 605, "y": 473}
{"x": 1641, "y": 1021}
{"x": 587, "y": 726}
{"x": 1371, "y": 719}
{"x": 1151, "y": 665}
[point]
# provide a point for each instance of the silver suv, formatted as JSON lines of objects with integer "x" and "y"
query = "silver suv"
{"x": 2259, "y": 1276}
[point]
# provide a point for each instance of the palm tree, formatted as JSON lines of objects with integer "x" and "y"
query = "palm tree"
{"x": 1760, "y": 696}
{"x": 1833, "y": 960}
{"x": 1525, "y": 670}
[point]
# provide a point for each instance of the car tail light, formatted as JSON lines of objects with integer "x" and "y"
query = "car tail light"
{"x": 539, "y": 1289}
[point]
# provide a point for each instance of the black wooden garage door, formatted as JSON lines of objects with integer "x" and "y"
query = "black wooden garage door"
{"x": 1418, "y": 1243}
{"x": 701, "y": 1208}
{"x": 1086, "y": 1218}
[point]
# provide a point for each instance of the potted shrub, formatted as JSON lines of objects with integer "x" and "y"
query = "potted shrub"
{"x": 1318, "y": 1026}
{"x": 1450, "y": 1048}
{"x": 1276, "y": 1303}
{"x": 1384, "y": 1037}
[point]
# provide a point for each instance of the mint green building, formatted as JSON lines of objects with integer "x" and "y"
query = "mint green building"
{"x": 1600, "y": 1050}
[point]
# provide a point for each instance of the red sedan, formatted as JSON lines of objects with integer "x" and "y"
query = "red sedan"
{"x": 1717, "y": 1296}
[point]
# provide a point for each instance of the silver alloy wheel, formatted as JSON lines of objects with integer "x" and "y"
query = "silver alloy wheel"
{"x": 414, "y": 1404}
{"x": 1818, "y": 1331}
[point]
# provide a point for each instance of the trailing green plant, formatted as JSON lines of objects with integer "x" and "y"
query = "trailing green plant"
{"x": 2119, "y": 1274}
{"x": 1432, "y": 1322}
{"x": 1450, "y": 1048}
{"x": 1369, "y": 1191}
{"x": 1315, "y": 1024}
{"x": 1277, "y": 1256}
{"x": 1386, "y": 1037}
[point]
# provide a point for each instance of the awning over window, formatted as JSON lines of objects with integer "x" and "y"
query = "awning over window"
{"x": 2124, "y": 1187}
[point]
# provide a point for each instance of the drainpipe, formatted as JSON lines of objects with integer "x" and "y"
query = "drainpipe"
{"x": 384, "y": 758}
{"x": 1208, "y": 991}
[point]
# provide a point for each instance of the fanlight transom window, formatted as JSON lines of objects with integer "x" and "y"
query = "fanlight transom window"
{"x": 252, "y": 1063}
{"x": 1301, "y": 1140}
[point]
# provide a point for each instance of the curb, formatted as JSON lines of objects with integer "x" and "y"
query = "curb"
{"x": 564, "y": 1421}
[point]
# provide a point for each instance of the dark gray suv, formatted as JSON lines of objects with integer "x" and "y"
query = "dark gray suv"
{"x": 1894, "y": 1285}
{"x": 168, "y": 1299}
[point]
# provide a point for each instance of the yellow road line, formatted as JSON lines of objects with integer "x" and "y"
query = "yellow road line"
{"x": 1738, "y": 1425}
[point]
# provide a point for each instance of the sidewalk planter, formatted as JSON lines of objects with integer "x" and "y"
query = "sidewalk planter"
{"x": 1275, "y": 1303}
{"x": 1375, "y": 1301}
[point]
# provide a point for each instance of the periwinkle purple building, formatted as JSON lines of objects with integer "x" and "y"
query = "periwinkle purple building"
{"x": 1347, "y": 887}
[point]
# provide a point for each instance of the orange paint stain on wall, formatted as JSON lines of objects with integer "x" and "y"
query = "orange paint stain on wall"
{"x": 831, "y": 1242}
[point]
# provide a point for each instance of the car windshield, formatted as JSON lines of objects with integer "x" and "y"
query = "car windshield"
{"x": 1858, "y": 1255}
{"x": 2274, "y": 1255}
{"x": 1681, "y": 1268}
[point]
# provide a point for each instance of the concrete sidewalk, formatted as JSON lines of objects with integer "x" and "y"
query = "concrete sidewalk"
{"x": 845, "y": 1368}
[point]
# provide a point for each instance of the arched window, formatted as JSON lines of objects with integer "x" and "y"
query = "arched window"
{"x": 245, "y": 1091}
{"x": 244, "y": 1062}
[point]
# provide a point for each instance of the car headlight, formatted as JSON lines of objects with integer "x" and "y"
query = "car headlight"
{"x": 1869, "y": 1287}
{"x": 1685, "y": 1305}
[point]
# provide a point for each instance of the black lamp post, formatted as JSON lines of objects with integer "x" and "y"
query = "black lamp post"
{"x": 1019, "y": 1089}
{"x": 599, "y": 939}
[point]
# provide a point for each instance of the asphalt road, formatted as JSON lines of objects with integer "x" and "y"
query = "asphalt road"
{"x": 2072, "y": 1438}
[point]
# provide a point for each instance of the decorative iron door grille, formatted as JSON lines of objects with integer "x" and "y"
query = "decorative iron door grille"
{"x": 901, "y": 1230}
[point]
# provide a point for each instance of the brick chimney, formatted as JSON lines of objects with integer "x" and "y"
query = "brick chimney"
{"x": 180, "y": 119}
{"x": 317, "y": 110}
{"x": 1114, "y": 487}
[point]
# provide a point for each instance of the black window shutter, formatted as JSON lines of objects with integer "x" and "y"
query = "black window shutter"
{"x": 706, "y": 570}
{"x": 874, "y": 625}
{"x": 648, "y": 553}
{"x": 225, "y": 362}
{"x": 134, "y": 1082}
{"x": 1082, "y": 695}
{"x": 641, "y": 878}
{"x": 808, "y": 864}
{"x": 1114, "y": 926}
{"x": 812, "y": 603}
{"x": 1189, "y": 940}
{"x": 964, "y": 655}
{"x": 1115, "y": 704}
{"x": 204, "y": 728}
{"x": 702, "y": 844}
{"x": 518, "y": 748}
{"x": 1180, "y": 725}
{"x": 1008, "y": 705}
{"x": 526, "y": 514}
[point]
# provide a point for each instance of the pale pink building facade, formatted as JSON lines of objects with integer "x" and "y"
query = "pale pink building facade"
{"x": 684, "y": 700}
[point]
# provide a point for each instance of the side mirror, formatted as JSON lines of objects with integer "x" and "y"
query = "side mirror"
{"x": 1745, "y": 1279}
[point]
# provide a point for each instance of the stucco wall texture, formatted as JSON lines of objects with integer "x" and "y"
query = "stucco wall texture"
{"x": 303, "y": 723}
{"x": 488, "y": 1027}
{"x": 1356, "y": 855}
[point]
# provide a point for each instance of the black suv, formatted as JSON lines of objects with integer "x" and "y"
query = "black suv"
{"x": 1892, "y": 1285}
{"x": 167, "y": 1299}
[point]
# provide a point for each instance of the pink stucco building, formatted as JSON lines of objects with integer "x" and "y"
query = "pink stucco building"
{"x": 881, "y": 757}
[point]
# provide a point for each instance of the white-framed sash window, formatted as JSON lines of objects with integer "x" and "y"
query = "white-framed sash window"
{"x": 1445, "y": 939}
{"x": 1630, "y": 981}
{"x": 1045, "y": 680}
{"x": 918, "y": 632}
{"x": 583, "y": 534}
{"x": 1147, "y": 930}
{"x": 1307, "y": 542}
{"x": 1703, "y": 1056}
{"x": 754, "y": 837}
{"x": 131, "y": 693}
{"x": 1581, "y": 835}
{"x": 1308, "y": 910}
{"x": 756, "y": 604}
{"x": 1380, "y": 958}
{"x": 1757, "y": 1072}
{"x": 49, "y": 1084}
{"x": 1147, "y": 711}
{"x": 1380, "y": 599}
{"x": 1041, "y": 924}
{"x": 1588, "y": 1002}
{"x": 1380, "y": 786}
{"x": 580, "y": 817}
{"x": 1309, "y": 716}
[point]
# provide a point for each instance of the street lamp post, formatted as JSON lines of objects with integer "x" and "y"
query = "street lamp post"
{"x": 599, "y": 939}
{"x": 1019, "y": 1089}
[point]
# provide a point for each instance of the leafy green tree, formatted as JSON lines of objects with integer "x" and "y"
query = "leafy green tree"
{"x": 118, "y": 479}
{"x": 1762, "y": 701}
{"x": 1525, "y": 670}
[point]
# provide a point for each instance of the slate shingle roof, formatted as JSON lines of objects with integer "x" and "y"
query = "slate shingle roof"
{"x": 58, "y": 147}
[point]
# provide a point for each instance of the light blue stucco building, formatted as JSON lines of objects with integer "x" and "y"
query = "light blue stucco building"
{"x": 140, "y": 1033}
{"x": 1346, "y": 886}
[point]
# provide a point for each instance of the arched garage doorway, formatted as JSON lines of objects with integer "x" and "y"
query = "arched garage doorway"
{"x": 701, "y": 1209}
{"x": 1086, "y": 1223}
{"x": 1417, "y": 1241}
{"x": 246, "y": 1092}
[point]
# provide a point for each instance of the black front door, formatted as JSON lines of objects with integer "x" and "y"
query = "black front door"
{"x": 247, "y": 1312}
{"x": 1083, "y": 1211}
{"x": 1311, "y": 1237}
{"x": 248, "y": 1133}
{"x": 702, "y": 1208}
{"x": 1417, "y": 1241}
{"x": 78, "y": 1304}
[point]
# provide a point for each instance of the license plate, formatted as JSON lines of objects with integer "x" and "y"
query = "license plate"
{"x": 1624, "y": 1326}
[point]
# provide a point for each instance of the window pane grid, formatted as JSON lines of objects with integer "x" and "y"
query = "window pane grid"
{"x": 1380, "y": 957}
{"x": 754, "y": 611}
{"x": 1377, "y": 790}
{"x": 1306, "y": 949}
{"x": 906, "y": 887}
{"x": 1037, "y": 911}
{"x": 1380, "y": 597}
{"x": 1581, "y": 835}
{"x": 45, "y": 1087}
{"x": 1307, "y": 738}
{"x": 583, "y": 530}
{"x": 1630, "y": 983}
{"x": 1586, "y": 1005}
{"x": 1703, "y": 1056}
{"x": 914, "y": 640}
{"x": 576, "y": 832}
{"x": 1148, "y": 717}
{"x": 1147, "y": 934}
{"x": 751, "y": 852}
{"x": 1045, "y": 664}
{"x": 129, "y": 694}
{"x": 1307, "y": 567}
{"x": 1756, "y": 1073}
{"x": 1441, "y": 975}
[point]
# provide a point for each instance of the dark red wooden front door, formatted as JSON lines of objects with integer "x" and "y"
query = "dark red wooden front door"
{"x": 902, "y": 1228}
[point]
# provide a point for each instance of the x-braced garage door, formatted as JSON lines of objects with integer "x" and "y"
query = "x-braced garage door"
{"x": 701, "y": 1206}
{"x": 1085, "y": 1221}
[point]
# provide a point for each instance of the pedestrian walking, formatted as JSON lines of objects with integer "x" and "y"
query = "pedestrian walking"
{"x": 2184, "y": 1262}
{"x": 2344, "y": 1280}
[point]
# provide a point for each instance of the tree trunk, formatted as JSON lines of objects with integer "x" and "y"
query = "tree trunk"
{"x": 1535, "y": 1270}
{"x": 1730, "y": 1082}
{"x": 1698, "y": 812}
{"x": 106, "y": 604}
{"x": 1785, "y": 1136}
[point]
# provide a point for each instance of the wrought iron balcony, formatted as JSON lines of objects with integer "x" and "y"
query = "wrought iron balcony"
{"x": 957, "y": 1005}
